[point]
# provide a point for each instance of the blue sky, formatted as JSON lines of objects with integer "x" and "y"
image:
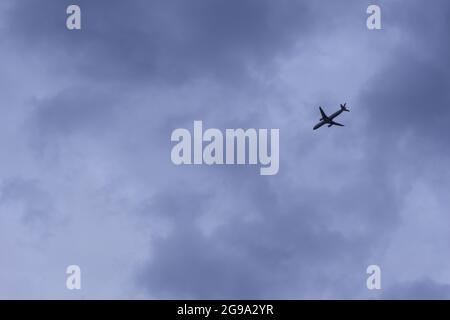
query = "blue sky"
{"x": 86, "y": 176}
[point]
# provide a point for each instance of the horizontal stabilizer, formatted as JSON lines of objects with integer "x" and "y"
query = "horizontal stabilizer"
{"x": 343, "y": 107}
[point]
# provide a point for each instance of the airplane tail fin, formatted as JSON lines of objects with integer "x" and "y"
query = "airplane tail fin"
{"x": 344, "y": 108}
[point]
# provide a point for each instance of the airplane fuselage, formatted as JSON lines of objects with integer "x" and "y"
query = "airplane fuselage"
{"x": 334, "y": 115}
{"x": 321, "y": 123}
{"x": 329, "y": 119}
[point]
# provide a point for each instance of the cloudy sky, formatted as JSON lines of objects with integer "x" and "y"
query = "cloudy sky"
{"x": 86, "y": 176}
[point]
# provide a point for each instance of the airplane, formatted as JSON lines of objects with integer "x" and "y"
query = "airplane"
{"x": 329, "y": 119}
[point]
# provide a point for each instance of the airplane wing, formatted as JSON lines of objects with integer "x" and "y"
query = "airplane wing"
{"x": 336, "y": 124}
{"x": 324, "y": 116}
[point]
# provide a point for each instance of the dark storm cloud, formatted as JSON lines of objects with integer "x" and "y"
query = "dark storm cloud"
{"x": 138, "y": 44}
{"x": 241, "y": 259}
{"x": 162, "y": 40}
{"x": 407, "y": 109}
{"x": 410, "y": 94}
{"x": 288, "y": 250}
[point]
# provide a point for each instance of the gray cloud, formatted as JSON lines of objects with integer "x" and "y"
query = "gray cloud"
{"x": 418, "y": 290}
{"x": 163, "y": 42}
{"x": 32, "y": 202}
{"x": 90, "y": 115}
